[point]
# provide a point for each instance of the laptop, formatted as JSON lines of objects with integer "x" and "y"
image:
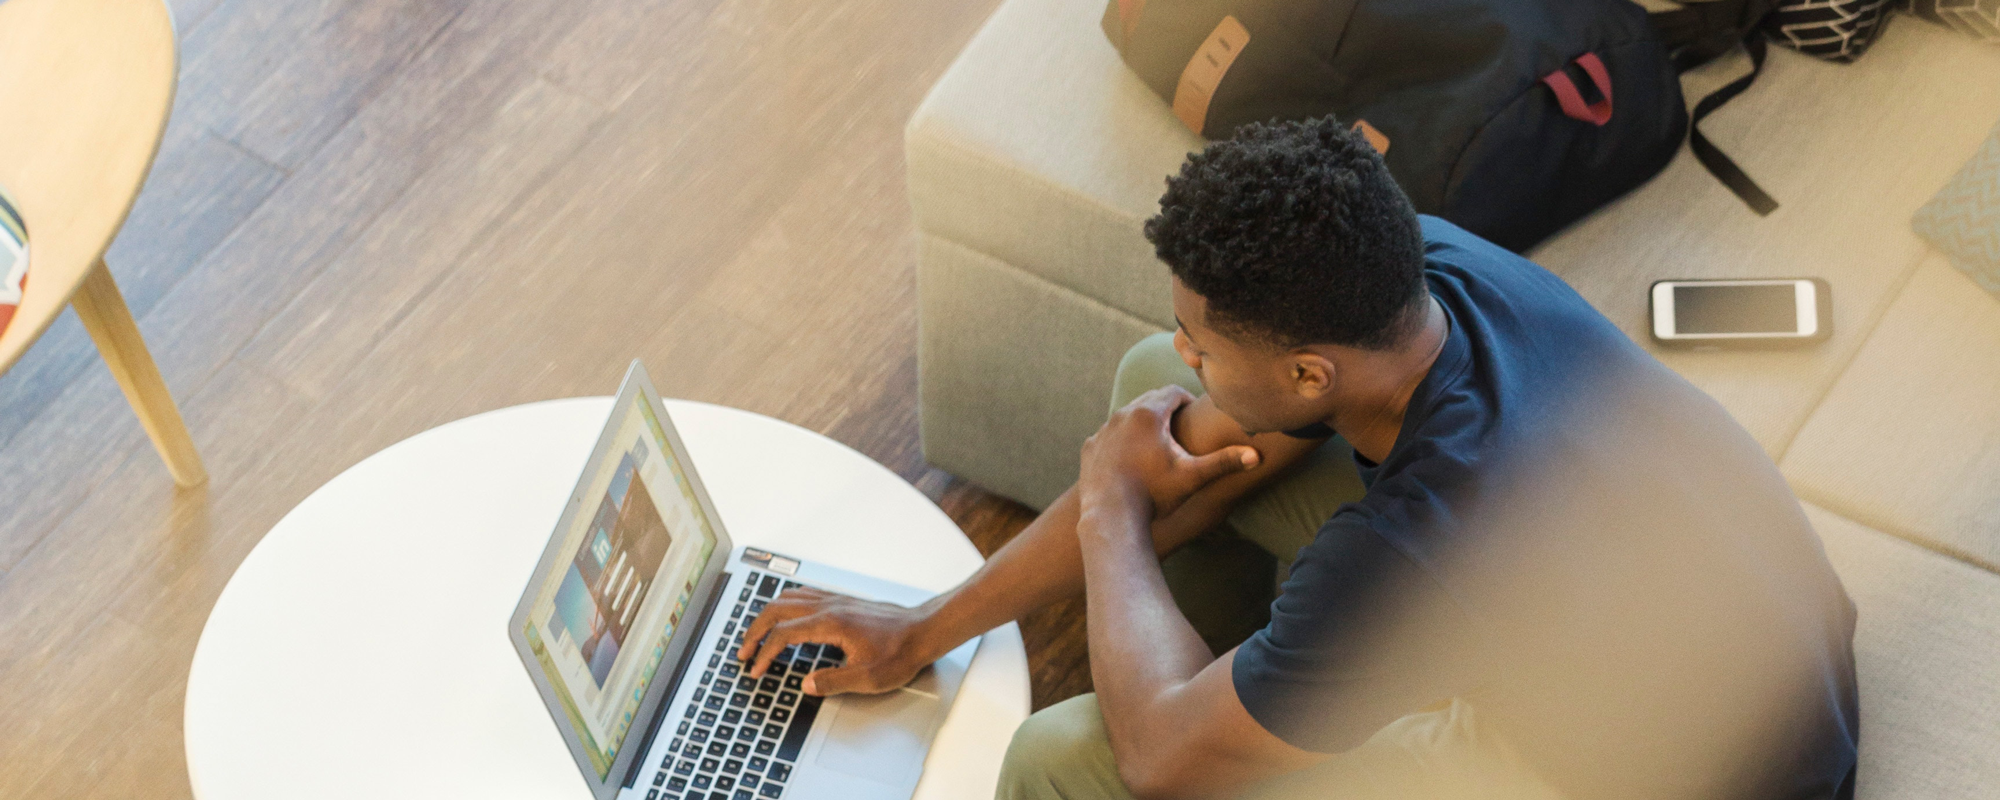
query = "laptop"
{"x": 630, "y": 625}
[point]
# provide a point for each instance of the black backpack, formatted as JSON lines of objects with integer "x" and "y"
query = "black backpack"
{"x": 1511, "y": 118}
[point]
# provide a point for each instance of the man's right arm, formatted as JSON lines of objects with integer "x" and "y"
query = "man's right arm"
{"x": 887, "y": 645}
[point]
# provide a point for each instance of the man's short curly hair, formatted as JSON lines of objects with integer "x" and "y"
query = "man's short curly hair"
{"x": 1295, "y": 234}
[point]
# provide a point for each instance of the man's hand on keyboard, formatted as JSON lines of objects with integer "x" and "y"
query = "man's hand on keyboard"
{"x": 883, "y": 642}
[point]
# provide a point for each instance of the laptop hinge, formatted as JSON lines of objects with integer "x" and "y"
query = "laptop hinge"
{"x": 674, "y": 680}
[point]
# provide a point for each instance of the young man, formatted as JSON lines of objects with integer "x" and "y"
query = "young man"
{"x": 1570, "y": 573}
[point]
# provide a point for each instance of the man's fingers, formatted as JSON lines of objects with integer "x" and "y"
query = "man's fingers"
{"x": 790, "y": 605}
{"x": 758, "y": 628}
{"x": 782, "y": 635}
{"x": 836, "y": 680}
{"x": 1227, "y": 461}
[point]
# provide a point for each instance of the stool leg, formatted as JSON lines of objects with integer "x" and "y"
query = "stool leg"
{"x": 110, "y": 323}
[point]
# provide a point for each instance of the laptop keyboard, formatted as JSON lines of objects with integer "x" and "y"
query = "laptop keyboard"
{"x": 738, "y": 738}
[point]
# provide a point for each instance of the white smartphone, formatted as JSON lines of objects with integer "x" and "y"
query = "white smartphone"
{"x": 1770, "y": 312}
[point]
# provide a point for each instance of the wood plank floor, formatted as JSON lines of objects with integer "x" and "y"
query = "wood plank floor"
{"x": 370, "y": 217}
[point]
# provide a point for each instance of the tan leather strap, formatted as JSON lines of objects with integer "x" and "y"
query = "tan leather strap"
{"x": 1204, "y": 72}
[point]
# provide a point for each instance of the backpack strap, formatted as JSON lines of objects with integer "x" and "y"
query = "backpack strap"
{"x": 1699, "y": 31}
{"x": 1720, "y": 165}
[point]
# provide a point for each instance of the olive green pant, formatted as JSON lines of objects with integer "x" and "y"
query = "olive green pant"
{"x": 1224, "y": 583}
{"x": 1063, "y": 753}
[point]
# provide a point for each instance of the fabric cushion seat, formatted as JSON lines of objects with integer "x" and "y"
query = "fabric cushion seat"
{"x": 1908, "y": 440}
{"x": 1925, "y": 643}
{"x": 1038, "y": 147}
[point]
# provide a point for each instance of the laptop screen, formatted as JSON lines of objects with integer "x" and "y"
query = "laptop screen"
{"x": 604, "y": 613}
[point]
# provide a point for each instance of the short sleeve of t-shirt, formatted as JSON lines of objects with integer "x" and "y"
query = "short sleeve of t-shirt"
{"x": 1359, "y": 637}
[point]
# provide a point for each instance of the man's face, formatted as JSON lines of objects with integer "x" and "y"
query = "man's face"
{"x": 1253, "y": 382}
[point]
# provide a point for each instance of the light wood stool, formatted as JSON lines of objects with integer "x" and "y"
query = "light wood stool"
{"x": 85, "y": 87}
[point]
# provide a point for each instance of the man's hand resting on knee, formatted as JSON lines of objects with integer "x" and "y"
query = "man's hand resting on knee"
{"x": 1136, "y": 452}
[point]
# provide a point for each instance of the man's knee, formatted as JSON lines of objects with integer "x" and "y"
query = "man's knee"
{"x": 1061, "y": 752}
{"x": 1149, "y": 365}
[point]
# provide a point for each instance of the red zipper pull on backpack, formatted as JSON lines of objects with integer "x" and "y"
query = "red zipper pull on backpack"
{"x": 1571, "y": 100}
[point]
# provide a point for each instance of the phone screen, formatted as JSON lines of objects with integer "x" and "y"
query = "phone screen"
{"x": 1769, "y": 308}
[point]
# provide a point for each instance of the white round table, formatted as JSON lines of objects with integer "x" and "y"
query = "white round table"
{"x": 361, "y": 650}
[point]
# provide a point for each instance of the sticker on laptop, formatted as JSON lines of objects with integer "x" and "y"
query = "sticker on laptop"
{"x": 13, "y": 259}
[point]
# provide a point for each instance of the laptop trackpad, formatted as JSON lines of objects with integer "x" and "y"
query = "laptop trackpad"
{"x": 880, "y": 737}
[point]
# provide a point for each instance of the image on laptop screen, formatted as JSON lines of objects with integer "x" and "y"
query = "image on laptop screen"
{"x": 603, "y": 617}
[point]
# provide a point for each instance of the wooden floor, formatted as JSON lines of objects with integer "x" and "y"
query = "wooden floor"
{"x": 370, "y": 217}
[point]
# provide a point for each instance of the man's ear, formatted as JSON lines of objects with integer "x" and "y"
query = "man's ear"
{"x": 1312, "y": 375}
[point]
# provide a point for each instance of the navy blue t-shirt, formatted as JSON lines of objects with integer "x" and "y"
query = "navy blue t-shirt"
{"x": 1585, "y": 547}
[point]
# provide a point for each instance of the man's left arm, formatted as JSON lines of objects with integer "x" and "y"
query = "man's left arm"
{"x": 1176, "y": 726}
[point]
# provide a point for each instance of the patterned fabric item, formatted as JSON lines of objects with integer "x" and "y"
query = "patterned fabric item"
{"x": 13, "y": 259}
{"x": 1963, "y": 220}
{"x": 1836, "y": 30}
{"x": 1979, "y": 19}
